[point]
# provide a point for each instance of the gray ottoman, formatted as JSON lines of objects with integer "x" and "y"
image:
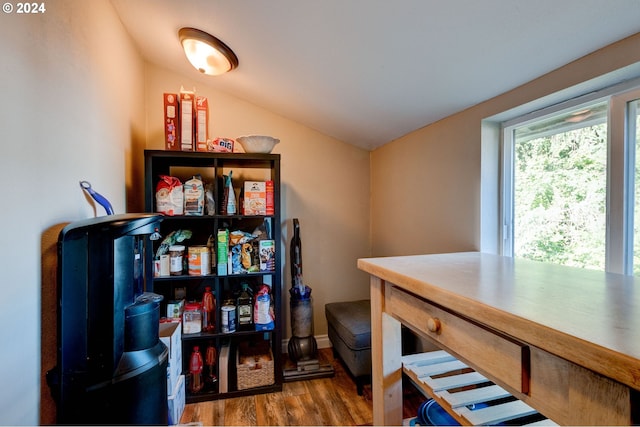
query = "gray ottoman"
{"x": 349, "y": 329}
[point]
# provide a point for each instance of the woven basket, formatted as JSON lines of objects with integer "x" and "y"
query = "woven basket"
{"x": 255, "y": 371}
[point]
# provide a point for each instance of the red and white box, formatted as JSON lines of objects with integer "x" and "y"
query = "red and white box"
{"x": 202, "y": 123}
{"x": 171, "y": 122}
{"x": 271, "y": 209}
{"x": 187, "y": 106}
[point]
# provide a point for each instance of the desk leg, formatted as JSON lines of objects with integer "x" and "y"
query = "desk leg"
{"x": 386, "y": 359}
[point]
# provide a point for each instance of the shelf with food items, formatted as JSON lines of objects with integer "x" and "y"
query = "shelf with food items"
{"x": 213, "y": 333}
{"x": 235, "y": 308}
{"x": 217, "y": 312}
{"x": 185, "y": 254}
{"x": 217, "y": 266}
{"x": 226, "y": 368}
{"x": 197, "y": 196}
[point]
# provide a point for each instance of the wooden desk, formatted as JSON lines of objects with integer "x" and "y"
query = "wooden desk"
{"x": 564, "y": 340}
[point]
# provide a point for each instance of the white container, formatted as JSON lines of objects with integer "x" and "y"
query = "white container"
{"x": 228, "y": 322}
{"x": 192, "y": 318}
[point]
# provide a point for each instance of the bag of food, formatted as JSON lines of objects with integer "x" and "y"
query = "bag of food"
{"x": 194, "y": 196}
{"x": 220, "y": 145}
{"x": 263, "y": 313}
{"x": 169, "y": 196}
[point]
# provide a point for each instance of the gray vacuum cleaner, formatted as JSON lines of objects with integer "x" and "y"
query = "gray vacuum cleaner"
{"x": 303, "y": 348}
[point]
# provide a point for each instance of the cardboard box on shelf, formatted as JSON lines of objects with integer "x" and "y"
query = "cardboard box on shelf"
{"x": 176, "y": 401}
{"x": 202, "y": 123}
{"x": 171, "y": 122}
{"x": 171, "y": 335}
{"x": 187, "y": 106}
{"x": 271, "y": 208}
{"x": 267, "y": 251}
{"x": 255, "y": 198}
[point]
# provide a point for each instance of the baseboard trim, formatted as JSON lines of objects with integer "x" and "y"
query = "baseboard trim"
{"x": 322, "y": 341}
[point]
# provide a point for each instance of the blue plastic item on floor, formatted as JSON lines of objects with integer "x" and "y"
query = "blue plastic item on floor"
{"x": 430, "y": 413}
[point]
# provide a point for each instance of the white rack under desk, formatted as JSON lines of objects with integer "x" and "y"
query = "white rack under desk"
{"x": 468, "y": 396}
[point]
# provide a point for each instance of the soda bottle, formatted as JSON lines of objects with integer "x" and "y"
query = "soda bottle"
{"x": 195, "y": 370}
{"x": 210, "y": 359}
{"x": 209, "y": 310}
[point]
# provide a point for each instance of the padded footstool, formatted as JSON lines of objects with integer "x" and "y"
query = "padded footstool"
{"x": 349, "y": 328}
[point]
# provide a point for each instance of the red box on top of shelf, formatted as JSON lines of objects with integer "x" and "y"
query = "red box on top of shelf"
{"x": 171, "y": 122}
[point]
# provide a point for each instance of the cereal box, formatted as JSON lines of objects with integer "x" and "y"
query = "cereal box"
{"x": 270, "y": 209}
{"x": 171, "y": 122}
{"x": 186, "y": 121}
{"x": 255, "y": 198}
{"x": 202, "y": 123}
{"x": 267, "y": 252}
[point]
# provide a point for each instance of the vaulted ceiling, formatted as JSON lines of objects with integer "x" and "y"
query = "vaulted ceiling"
{"x": 370, "y": 71}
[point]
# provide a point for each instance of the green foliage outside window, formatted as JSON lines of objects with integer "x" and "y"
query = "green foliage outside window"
{"x": 560, "y": 198}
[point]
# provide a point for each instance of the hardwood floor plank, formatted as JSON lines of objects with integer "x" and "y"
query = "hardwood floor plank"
{"x": 271, "y": 410}
{"x": 360, "y": 408}
{"x": 294, "y": 388}
{"x": 331, "y": 407}
{"x": 302, "y": 411}
{"x": 325, "y": 401}
{"x": 240, "y": 411}
{"x": 189, "y": 414}
{"x": 207, "y": 413}
{"x": 218, "y": 413}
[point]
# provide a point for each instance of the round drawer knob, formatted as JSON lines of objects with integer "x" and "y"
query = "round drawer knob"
{"x": 433, "y": 324}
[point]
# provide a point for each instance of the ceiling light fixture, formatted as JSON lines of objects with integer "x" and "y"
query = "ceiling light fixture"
{"x": 206, "y": 53}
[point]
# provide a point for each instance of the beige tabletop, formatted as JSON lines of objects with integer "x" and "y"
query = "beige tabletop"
{"x": 588, "y": 317}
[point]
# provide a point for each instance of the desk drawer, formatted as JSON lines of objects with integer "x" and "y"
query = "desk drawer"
{"x": 499, "y": 357}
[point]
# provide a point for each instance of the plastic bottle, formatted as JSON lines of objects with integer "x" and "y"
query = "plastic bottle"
{"x": 244, "y": 304}
{"x": 195, "y": 370}
{"x": 210, "y": 359}
{"x": 208, "y": 310}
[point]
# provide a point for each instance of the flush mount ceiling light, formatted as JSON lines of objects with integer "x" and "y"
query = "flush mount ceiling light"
{"x": 206, "y": 53}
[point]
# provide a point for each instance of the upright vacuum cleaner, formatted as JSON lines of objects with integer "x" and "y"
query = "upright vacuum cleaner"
{"x": 303, "y": 348}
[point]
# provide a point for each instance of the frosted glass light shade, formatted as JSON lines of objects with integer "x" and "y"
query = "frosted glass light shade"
{"x": 206, "y": 53}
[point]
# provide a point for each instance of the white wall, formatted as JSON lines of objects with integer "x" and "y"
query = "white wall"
{"x": 72, "y": 90}
{"x": 426, "y": 187}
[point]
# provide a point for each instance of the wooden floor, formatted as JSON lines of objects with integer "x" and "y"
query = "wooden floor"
{"x": 324, "y": 401}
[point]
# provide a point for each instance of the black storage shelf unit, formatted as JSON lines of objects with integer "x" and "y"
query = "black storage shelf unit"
{"x": 212, "y": 167}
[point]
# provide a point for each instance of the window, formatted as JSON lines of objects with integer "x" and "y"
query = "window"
{"x": 633, "y": 131}
{"x": 571, "y": 183}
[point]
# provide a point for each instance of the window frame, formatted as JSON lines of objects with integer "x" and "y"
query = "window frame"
{"x": 619, "y": 231}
